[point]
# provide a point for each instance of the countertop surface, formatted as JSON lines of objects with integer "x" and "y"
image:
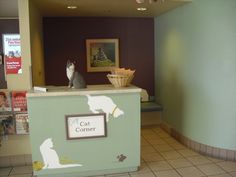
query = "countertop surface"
{"x": 91, "y": 89}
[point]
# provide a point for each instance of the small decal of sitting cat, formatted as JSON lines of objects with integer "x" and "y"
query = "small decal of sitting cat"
{"x": 105, "y": 104}
{"x": 76, "y": 80}
{"x": 50, "y": 157}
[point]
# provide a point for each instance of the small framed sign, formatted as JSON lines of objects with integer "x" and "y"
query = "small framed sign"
{"x": 83, "y": 126}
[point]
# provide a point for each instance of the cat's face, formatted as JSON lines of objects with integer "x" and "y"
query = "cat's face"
{"x": 48, "y": 143}
{"x": 70, "y": 65}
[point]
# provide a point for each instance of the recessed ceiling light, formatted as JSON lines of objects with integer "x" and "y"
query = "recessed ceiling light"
{"x": 140, "y": 1}
{"x": 141, "y": 8}
{"x": 71, "y": 7}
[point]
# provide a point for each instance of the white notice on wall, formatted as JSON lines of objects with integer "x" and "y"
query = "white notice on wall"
{"x": 86, "y": 126}
{"x": 12, "y": 53}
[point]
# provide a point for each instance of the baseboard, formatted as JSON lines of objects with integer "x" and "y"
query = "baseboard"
{"x": 210, "y": 151}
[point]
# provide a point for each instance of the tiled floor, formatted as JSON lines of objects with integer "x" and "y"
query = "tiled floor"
{"x": 162, "y": 156}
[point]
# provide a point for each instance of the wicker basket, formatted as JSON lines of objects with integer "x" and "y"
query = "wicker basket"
{"x": 122, "y": 71}
{"x": 119, "y": 80}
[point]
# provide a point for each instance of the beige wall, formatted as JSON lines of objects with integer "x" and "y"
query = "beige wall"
{"x": 19, "y": 144}
{"x": 22, "y": 81}
{"x": 15, "y": 145}
{"x": 36, "y": 38}
{"x": 30, "y": 22}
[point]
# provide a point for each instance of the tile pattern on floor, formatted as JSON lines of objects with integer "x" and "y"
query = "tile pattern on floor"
{"x": 162, "y": 156}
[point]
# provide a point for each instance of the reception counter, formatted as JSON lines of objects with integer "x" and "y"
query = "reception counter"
{"x": 84, "y": 132}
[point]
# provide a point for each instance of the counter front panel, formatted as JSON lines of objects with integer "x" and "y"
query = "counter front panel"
{"x": 56, "y": 154}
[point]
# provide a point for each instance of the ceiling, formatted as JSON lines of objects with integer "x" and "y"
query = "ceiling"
{"x": 111, "y": 8}
{"x": 8, "y": 9}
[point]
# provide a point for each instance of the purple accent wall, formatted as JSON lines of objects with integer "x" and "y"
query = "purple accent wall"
{"x": 6, "y": 27}
{"x": 64, "y": 38}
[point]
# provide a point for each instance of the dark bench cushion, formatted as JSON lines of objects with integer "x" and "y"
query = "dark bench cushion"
{"x": 150, "y": 106}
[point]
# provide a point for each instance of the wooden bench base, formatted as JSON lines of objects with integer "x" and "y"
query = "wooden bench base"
{"x": 150, "y": 113}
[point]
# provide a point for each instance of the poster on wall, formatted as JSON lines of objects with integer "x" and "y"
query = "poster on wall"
{"x": 19, "y": 103}
{"x": 12, "y": 53}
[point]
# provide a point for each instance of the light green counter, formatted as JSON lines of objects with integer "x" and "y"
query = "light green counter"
{"x": 118, "y": 152}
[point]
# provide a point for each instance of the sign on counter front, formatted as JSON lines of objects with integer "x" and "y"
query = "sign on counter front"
{"x": 85, "y": 126}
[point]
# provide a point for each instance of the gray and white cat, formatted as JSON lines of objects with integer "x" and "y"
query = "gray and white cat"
{"x": 76, "y": 80}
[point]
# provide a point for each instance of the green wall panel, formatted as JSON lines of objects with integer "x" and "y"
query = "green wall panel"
{"x": 195, "y": 70}
{"x": 97, "y": 155}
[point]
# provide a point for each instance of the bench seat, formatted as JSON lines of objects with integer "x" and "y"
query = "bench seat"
{"x": 150, "y": 107}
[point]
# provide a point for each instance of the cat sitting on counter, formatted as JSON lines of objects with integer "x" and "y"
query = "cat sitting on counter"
{"x": 76, "y": 80}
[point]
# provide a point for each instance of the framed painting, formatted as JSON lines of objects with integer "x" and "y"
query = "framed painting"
{"x": 102, "y": 54}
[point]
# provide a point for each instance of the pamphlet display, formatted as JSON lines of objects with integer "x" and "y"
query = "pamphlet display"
{"x": 19, "y": 102}
{"x": 13, "y": 113}
{"x": 7, "y": 125}
{"x": 5, "y": 101}
{"x": 22, "y": 124}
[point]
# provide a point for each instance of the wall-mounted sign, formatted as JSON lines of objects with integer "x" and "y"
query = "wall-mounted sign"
{"x": 12, "y": 53}
{"x": 85, "y": 126}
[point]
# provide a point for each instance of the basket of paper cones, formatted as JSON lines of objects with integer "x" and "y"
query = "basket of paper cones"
{"x": 121, "y": 77}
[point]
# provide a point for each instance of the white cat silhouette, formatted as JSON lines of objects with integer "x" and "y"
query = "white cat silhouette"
{"x": 50, "y": 157}
{"x": 105, "y": 104}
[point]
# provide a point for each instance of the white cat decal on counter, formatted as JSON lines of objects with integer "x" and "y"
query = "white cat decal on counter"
{"x": 50, "y": 156}
{"x": 105, "y": 104}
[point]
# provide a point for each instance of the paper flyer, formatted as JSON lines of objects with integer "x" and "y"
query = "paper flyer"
{"x": 12, "y": 53}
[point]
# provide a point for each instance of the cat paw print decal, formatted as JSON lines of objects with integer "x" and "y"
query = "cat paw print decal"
{"x": 121, "y": 158}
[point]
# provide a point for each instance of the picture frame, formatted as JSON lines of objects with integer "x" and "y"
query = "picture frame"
{"x": 102, "y": 54}
{"x": 83, "y": 126}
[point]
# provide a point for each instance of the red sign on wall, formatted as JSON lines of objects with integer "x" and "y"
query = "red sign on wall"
{"x": 13, "y": 65}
